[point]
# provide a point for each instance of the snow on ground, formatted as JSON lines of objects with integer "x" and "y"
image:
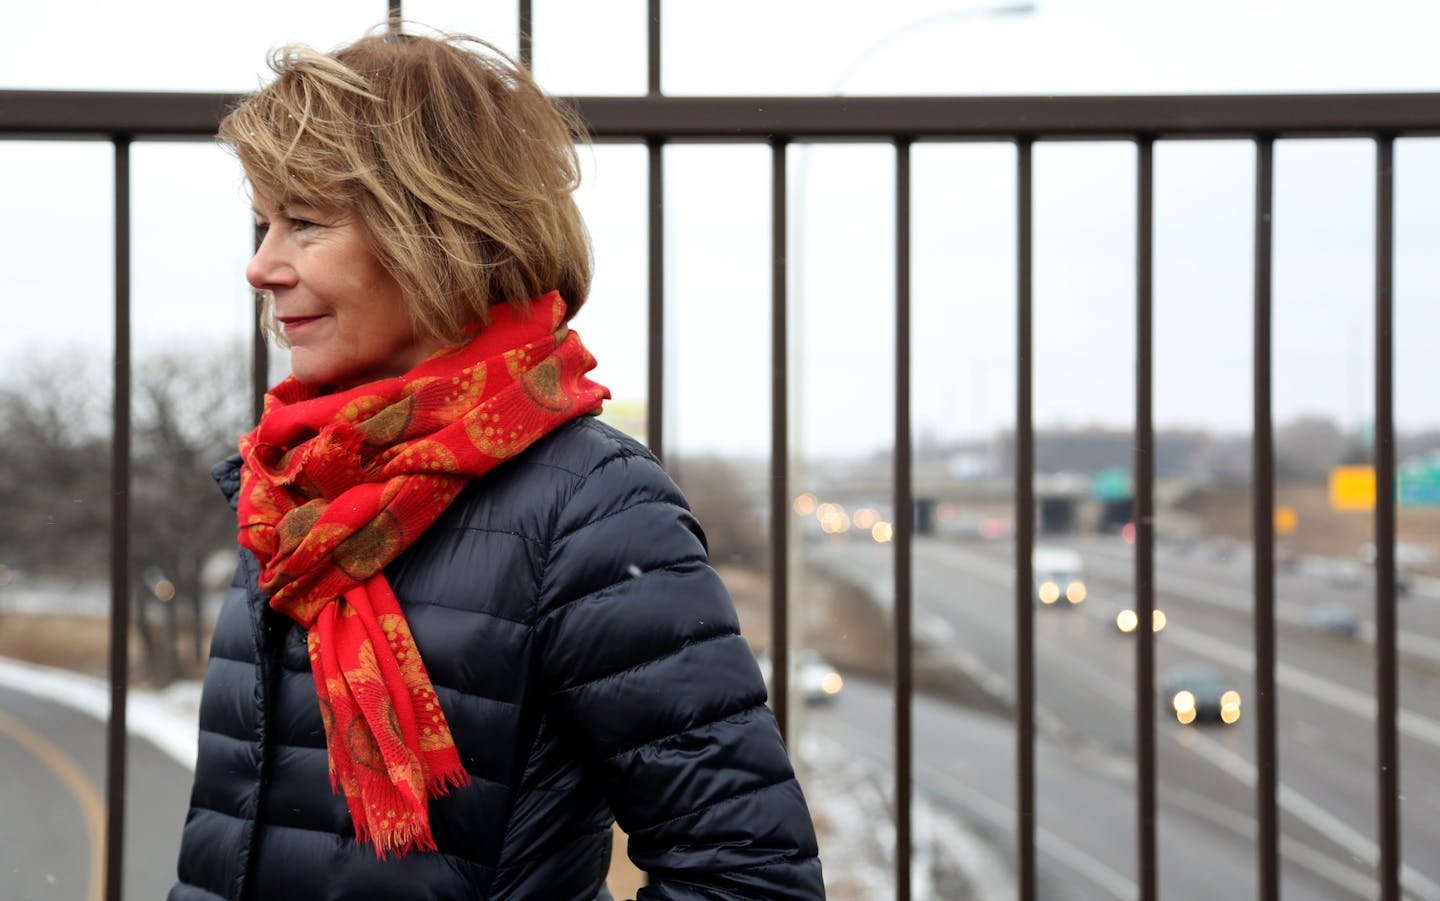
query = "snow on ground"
{"x": 850, "y": 799}
{"x": 167, "y": 719}
{"x": 849, "y": 796}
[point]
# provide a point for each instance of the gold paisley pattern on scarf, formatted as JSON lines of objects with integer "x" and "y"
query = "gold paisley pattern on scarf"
{"x": 362, "y": 408}
{"x": 434, "y": 731}
{"x": 295, "y": 526}
{"x": 542, "y": 385}
{"x": 366, "y": 551}
{"x": 336, "y": 485}
{"x": 390, "y": 424}
{"x": 364, "y": 750}
{"x": 490, "y": 435}
{"x": 425, "y": 455}
{"x": 467, "y": 386}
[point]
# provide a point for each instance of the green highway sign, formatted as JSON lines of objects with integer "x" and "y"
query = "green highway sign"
{"x": 1419, "y": 482}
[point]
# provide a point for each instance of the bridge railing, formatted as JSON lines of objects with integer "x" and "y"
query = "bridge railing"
{"x": 782, "y": 123}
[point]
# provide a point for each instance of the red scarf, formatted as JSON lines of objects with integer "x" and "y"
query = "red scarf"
{"x": 334, "y": 486}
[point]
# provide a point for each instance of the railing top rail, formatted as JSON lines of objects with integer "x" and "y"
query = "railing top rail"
{"x": 174, "y": 114}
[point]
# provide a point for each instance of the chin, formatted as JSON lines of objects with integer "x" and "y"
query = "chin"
{"x": 320, "y": 374}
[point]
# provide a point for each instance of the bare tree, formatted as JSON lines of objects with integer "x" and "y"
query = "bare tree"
{"x": 734, "y": 527}
{"x": 1308, "y": 447}
{"x": 189, "y": 410}
{"x": 55, "y": 468}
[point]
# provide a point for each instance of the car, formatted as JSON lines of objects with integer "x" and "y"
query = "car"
{"x": 816, "y": 680}
{"x": 1335, "y": 619}
{"x": 1127, "y": 620}
{"x": 1197, "y": 693}
{"x": 1341, "y": 572}
{"x": 1406, "y": 556}
{"x": 1058, "y": 572}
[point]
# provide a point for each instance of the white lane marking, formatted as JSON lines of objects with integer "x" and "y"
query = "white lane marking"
{"x": 1303, "y": 808}
{"x": 1286, "y": 611}
{"x": 1409, "y": 723}
{"x": 1003, "y": 817}
{"x": 1413, "y": 725}
{"x": 1322, "y": 865}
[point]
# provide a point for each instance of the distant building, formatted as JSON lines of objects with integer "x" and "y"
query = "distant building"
{"x": 1088, "y": 452}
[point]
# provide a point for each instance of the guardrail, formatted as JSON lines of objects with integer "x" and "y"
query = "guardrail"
{"x": 657, "y": 121}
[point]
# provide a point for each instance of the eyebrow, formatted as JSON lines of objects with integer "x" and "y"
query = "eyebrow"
{"x": 283, "y": 208}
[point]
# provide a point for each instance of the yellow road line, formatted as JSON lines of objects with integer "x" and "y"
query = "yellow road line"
{"x": 85, "y": 795}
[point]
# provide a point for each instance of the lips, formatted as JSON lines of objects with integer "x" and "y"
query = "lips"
{"x": 290, "y": 323}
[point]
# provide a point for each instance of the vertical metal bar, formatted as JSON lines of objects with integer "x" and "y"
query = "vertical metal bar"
{"x": 115, "y": 749}
{"x": 259, "y": 349}
{"x": 904, "y": 527}
{"x": 1267, "y": 846}
{"x": 1386, "y": 694}
{"x": 1024, "y": 536}
{"x": 1145, "y": 522}
{"x": 259, "y": 363}
{"x": 652, "y": 74}
{"x": 779, "y": 443}
{"x": 655, "y": 403}
{"x": 526, "y": 23}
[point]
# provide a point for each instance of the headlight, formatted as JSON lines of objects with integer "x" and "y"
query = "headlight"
{"x": 1127, "y": 620}
{"x": 1049, "y": 592}
{"x": 1230, "y": 706}
{"x": 1184, "y": 704}
{"x": 831, "y": 683}
{"x": 1075, "y": 592}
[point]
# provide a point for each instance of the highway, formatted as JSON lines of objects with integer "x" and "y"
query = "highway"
{"x": 53, "y": 757}
{"x": 53, "y": 795}
{"x": 1085, "y": 693}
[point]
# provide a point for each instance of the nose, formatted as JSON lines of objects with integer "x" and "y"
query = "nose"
{"x": 270, "y": 267}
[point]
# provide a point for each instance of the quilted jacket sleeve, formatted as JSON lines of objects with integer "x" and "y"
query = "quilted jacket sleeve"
{"x": 642, "y": 647}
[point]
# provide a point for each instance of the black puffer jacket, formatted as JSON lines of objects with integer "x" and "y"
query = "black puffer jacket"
{"x": 590, "y": 666}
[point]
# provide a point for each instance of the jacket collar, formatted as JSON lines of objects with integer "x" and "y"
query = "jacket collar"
{"x": 226, "y": 474}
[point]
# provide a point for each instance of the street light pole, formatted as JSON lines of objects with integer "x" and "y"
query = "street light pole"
{"x": 922, "y": 24}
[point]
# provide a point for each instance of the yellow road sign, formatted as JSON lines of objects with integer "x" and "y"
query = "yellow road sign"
{"x": 1352, "y": 488}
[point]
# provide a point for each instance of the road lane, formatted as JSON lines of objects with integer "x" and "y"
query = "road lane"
{"x": 1325, "y": 709}
{"x": 49, "y": 800}
{"x": 1085, "y": 688}
{"x": 1085, "y": 819}
{"x": 43, "y": 854}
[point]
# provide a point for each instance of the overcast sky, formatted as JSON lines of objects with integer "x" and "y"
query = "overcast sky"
{"x": 192, "y": 225}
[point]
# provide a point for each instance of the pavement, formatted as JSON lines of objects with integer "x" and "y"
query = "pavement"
{"x": 848, "y": 796}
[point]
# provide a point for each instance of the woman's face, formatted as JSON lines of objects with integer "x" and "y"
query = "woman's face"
{"x": 342, "y": 313}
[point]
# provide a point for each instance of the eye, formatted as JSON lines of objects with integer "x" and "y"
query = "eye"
{"x": 301, "y": 225}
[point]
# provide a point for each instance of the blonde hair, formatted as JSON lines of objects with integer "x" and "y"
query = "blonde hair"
{"x": 460, "y": 167}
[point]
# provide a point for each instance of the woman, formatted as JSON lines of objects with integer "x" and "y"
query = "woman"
{"x": 472, "y": 625}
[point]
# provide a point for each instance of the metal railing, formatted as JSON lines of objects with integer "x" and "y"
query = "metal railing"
{"x": 656, "y": 121}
